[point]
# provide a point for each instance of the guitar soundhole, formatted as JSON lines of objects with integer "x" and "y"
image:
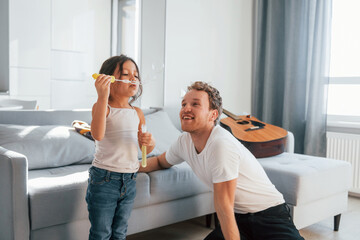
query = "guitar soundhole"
{"x": 242, "y": 122}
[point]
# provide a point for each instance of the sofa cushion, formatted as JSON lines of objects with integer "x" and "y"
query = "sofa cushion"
{"x": 163, "y": 130}
{"x": 47, "y": 146}
{"x": 176, "y": 182}
{"x": 57, "y": 195}
{"x": 142, "y": 190}
{"x": 298, "y": 177}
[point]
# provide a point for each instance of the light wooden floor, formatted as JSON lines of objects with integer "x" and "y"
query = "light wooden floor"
{"x": 195, "y": 229}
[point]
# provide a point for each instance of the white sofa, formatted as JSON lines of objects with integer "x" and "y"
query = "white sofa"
{"x": 43, "y": 177}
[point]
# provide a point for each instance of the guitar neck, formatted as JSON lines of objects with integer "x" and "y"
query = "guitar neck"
{"x": 229, "y": 114}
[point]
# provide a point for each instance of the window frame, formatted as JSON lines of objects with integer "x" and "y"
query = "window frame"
{"x": 345, "y": 122}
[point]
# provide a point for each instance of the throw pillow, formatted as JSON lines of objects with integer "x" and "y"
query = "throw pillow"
{"x": 47, "y": 146}
{"x": 163, "y": 130}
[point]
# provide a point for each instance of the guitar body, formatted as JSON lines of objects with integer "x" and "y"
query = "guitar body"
{"x": 262, "y": 139}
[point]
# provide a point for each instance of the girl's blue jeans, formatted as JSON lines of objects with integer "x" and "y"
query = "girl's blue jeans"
{"x": 110, "y": 198}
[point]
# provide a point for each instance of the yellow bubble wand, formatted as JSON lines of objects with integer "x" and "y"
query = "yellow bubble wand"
{"x": 96, "y": 75}
{"x": 143, "y": 148}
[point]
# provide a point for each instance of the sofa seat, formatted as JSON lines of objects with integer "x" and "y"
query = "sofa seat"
{"x": 314, "y": 182}
{"x": 176, "y": 182}
{"x": 57, "y": 195}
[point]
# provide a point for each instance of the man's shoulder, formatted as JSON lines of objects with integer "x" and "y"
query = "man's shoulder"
{"x": 184, "y": 139}
{"x": 184, "y": 136}
{"x": 222, "y": 131}
{"x": 223, "y": 142}
{"x": 222, "y": 136}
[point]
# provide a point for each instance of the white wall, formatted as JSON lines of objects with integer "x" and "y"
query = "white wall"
{"x": 54, "y": 48}
{"x": 29, "y": 47}
{"x": 81, "y": 33}
{"x": 211, "y": 41}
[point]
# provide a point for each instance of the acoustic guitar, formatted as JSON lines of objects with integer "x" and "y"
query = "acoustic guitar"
{"x": 262, "y": 139}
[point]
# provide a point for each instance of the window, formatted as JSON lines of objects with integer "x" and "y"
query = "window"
{"x": 344, "y": 88}
{"x": 125, "y": 29}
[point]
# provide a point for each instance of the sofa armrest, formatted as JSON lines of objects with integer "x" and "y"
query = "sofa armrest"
{"x": 14, "y": 217}
{"x": 290, "y": 143}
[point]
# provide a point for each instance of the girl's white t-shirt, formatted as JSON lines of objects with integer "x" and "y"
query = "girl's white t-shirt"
{"x": 224, "y": 158}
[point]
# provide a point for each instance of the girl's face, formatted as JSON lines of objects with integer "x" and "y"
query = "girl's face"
{"x": 128, "y": 72}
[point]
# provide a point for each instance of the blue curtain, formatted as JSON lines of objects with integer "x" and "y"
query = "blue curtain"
{"x": 291, "y": 62}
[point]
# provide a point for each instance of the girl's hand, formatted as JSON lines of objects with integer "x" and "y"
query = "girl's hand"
{"x": 102, "y": 85}
{"x": 146, "y": 139}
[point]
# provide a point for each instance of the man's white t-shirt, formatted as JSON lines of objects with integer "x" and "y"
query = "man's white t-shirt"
{"x": 224, "y": 158}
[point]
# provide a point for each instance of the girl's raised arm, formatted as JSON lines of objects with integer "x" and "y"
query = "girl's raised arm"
{"x": 100, "y": 109}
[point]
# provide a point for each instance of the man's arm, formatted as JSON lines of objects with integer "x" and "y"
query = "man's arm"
{"x": 156, "y": 163}
{"x": 224, "y": 197}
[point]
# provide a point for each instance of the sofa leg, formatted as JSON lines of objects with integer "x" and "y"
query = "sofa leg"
{"x": 208, "y": 220}
{"x": 337, "y": 222}
{"x": 216, "y": 220}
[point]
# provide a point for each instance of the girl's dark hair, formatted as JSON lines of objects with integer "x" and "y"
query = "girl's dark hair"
{"x": 109, "y": 66}
{"x": 215, "y": 100}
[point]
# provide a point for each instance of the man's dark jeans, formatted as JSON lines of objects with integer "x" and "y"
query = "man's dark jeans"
{"x": 272, "y": 223}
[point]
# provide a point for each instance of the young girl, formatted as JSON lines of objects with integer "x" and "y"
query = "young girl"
{"x": 116, "y": 128}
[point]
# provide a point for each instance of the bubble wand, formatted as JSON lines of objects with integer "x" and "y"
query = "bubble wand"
{"x": 96, "y": 75}
{"x": 143, "y": 148}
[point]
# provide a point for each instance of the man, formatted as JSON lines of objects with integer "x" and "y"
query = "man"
{"x": 245, "y": 200}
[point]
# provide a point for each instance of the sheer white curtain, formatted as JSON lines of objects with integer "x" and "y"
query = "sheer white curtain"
{"x": 291, "y": 60}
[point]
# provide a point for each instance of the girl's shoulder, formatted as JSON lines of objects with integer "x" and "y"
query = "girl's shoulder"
{"x": 138, "y": 110}
{"x": 140, "y": 114}
{"x": 96, "y": 105}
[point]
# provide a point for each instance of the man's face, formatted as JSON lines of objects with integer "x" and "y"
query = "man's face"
{"x": 195, "y": 114}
